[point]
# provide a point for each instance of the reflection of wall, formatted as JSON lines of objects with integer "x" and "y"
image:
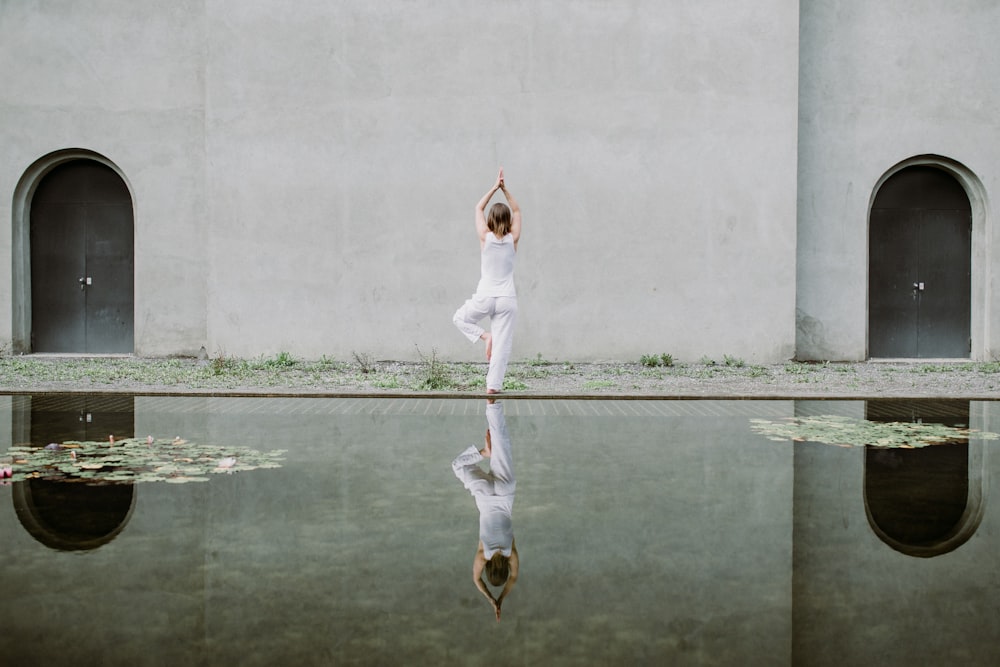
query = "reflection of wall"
{"x": 667, "y": 537}
{"x": 855, "y": 592}
{"x": 682, "y": 526}
{"x": 138, "y": 596}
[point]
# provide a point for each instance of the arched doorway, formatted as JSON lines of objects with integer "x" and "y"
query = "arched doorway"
{"x": 919, "y": 272}
{"x": 81, "y": 258}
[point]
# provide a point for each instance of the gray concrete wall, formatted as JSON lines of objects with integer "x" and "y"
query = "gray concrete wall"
{"x": 304, "y": 181}
{"x": 881, "y": 84}
{"x": 651, "y": 148}
{"x": 124, "y": 81}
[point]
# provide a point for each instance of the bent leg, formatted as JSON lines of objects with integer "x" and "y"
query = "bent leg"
{"x": 466, "y": 469}
{"x": 467, "y": 317}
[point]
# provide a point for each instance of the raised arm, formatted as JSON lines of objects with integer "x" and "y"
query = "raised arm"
{"x": 481, "y": 227}
{"x": 515, "y": 564}
{"x": 515, "y": 211}
{"x": 478, "y": 563}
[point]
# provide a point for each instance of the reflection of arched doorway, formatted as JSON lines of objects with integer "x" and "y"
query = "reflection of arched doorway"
{"x": 72, "y": 515}
{"x": 920, "y": 257}
{"x": 81, "y": 258}
{"x": 922, "y": 502}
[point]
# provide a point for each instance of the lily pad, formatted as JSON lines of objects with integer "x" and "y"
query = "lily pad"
{"x": 131, "y": 460}
{"x": 851, "y": 432}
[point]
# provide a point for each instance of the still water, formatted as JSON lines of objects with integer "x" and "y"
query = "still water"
{"x": 647, "y": 532}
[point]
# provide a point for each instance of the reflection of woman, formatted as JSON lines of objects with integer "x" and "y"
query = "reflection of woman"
{"x": 496, "y": 555}
{"x": 495, "y": 296}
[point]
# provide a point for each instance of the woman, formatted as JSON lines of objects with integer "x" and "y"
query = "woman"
{"x": 496, "y": 554}
{"x": 495, "y": 296}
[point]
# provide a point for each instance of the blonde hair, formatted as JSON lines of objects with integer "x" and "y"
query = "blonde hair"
{"x": 498, "y": 220}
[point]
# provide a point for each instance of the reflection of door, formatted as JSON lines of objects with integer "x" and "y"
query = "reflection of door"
{"x": 919, "y": 278}
{"x": 81, "y": 261}
{"x": 72, "y": 515}
{"x": 61, "y": 417}
{"x": 917, "y": 499}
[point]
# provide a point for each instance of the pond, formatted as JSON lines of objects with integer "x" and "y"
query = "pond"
{"x": 647, "y": 532}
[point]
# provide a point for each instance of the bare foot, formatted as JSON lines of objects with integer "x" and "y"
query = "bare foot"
{"x": 488, "y": 337}
{"x": 492, "y": 391}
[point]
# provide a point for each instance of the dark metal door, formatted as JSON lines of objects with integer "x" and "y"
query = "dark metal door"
{"x": 82, "y": 261}
{"x": 892, "y": 330}
{"x": 920, "y": 266}
{"x": 944, "y": 284}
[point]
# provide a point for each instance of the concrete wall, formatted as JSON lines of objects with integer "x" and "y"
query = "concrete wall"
{"x": 304, "y": 181}
{"x": 125, "y": 82}
{"x": 883, "y": 85}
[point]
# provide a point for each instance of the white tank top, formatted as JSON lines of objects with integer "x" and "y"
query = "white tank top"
{"x": 497, "y": 266}
{"x": 496, "y": 529}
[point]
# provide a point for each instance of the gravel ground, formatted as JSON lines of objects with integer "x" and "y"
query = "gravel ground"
{"x": 283, "y": 375}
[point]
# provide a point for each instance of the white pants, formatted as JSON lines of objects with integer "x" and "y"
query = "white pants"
{"x": 499, "y": 481}
{"x": 502, "y": 311}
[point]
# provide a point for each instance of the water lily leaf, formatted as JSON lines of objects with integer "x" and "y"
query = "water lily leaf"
{"x": 132, "y": 460}
{"x": 850, "y": 432}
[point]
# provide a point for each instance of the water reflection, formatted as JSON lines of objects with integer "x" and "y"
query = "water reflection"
{"x": 72, "y": 516}
{"x": 496, "y": 559}
{"x": 918, "y": 501}
{"x": 658, "y": 532}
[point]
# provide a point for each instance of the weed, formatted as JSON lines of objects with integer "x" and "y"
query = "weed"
{"x": 387, "y": 382}
{"x": 733, "y": 362}
{"x": 531, "y": 372}
{"x": 281, "y": 360}
{"x": 757, "y": 371}
{"x": 436, "y": 375}
{"x": 364, "y": 361}
{"x": 654, "y": 360}
{"x": 598, "y": 384}
{"x": 706, "y": 361}
{"x": 512, "y": 384}
{"x": 539, "y": 361}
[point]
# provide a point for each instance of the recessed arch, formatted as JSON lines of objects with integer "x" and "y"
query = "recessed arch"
{"x": 24, "y": 192}
{"x": 980, "y": 255}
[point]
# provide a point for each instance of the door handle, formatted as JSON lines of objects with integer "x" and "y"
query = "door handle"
{"x": 85, "y": 281}
{"x": 918, "y": 287}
